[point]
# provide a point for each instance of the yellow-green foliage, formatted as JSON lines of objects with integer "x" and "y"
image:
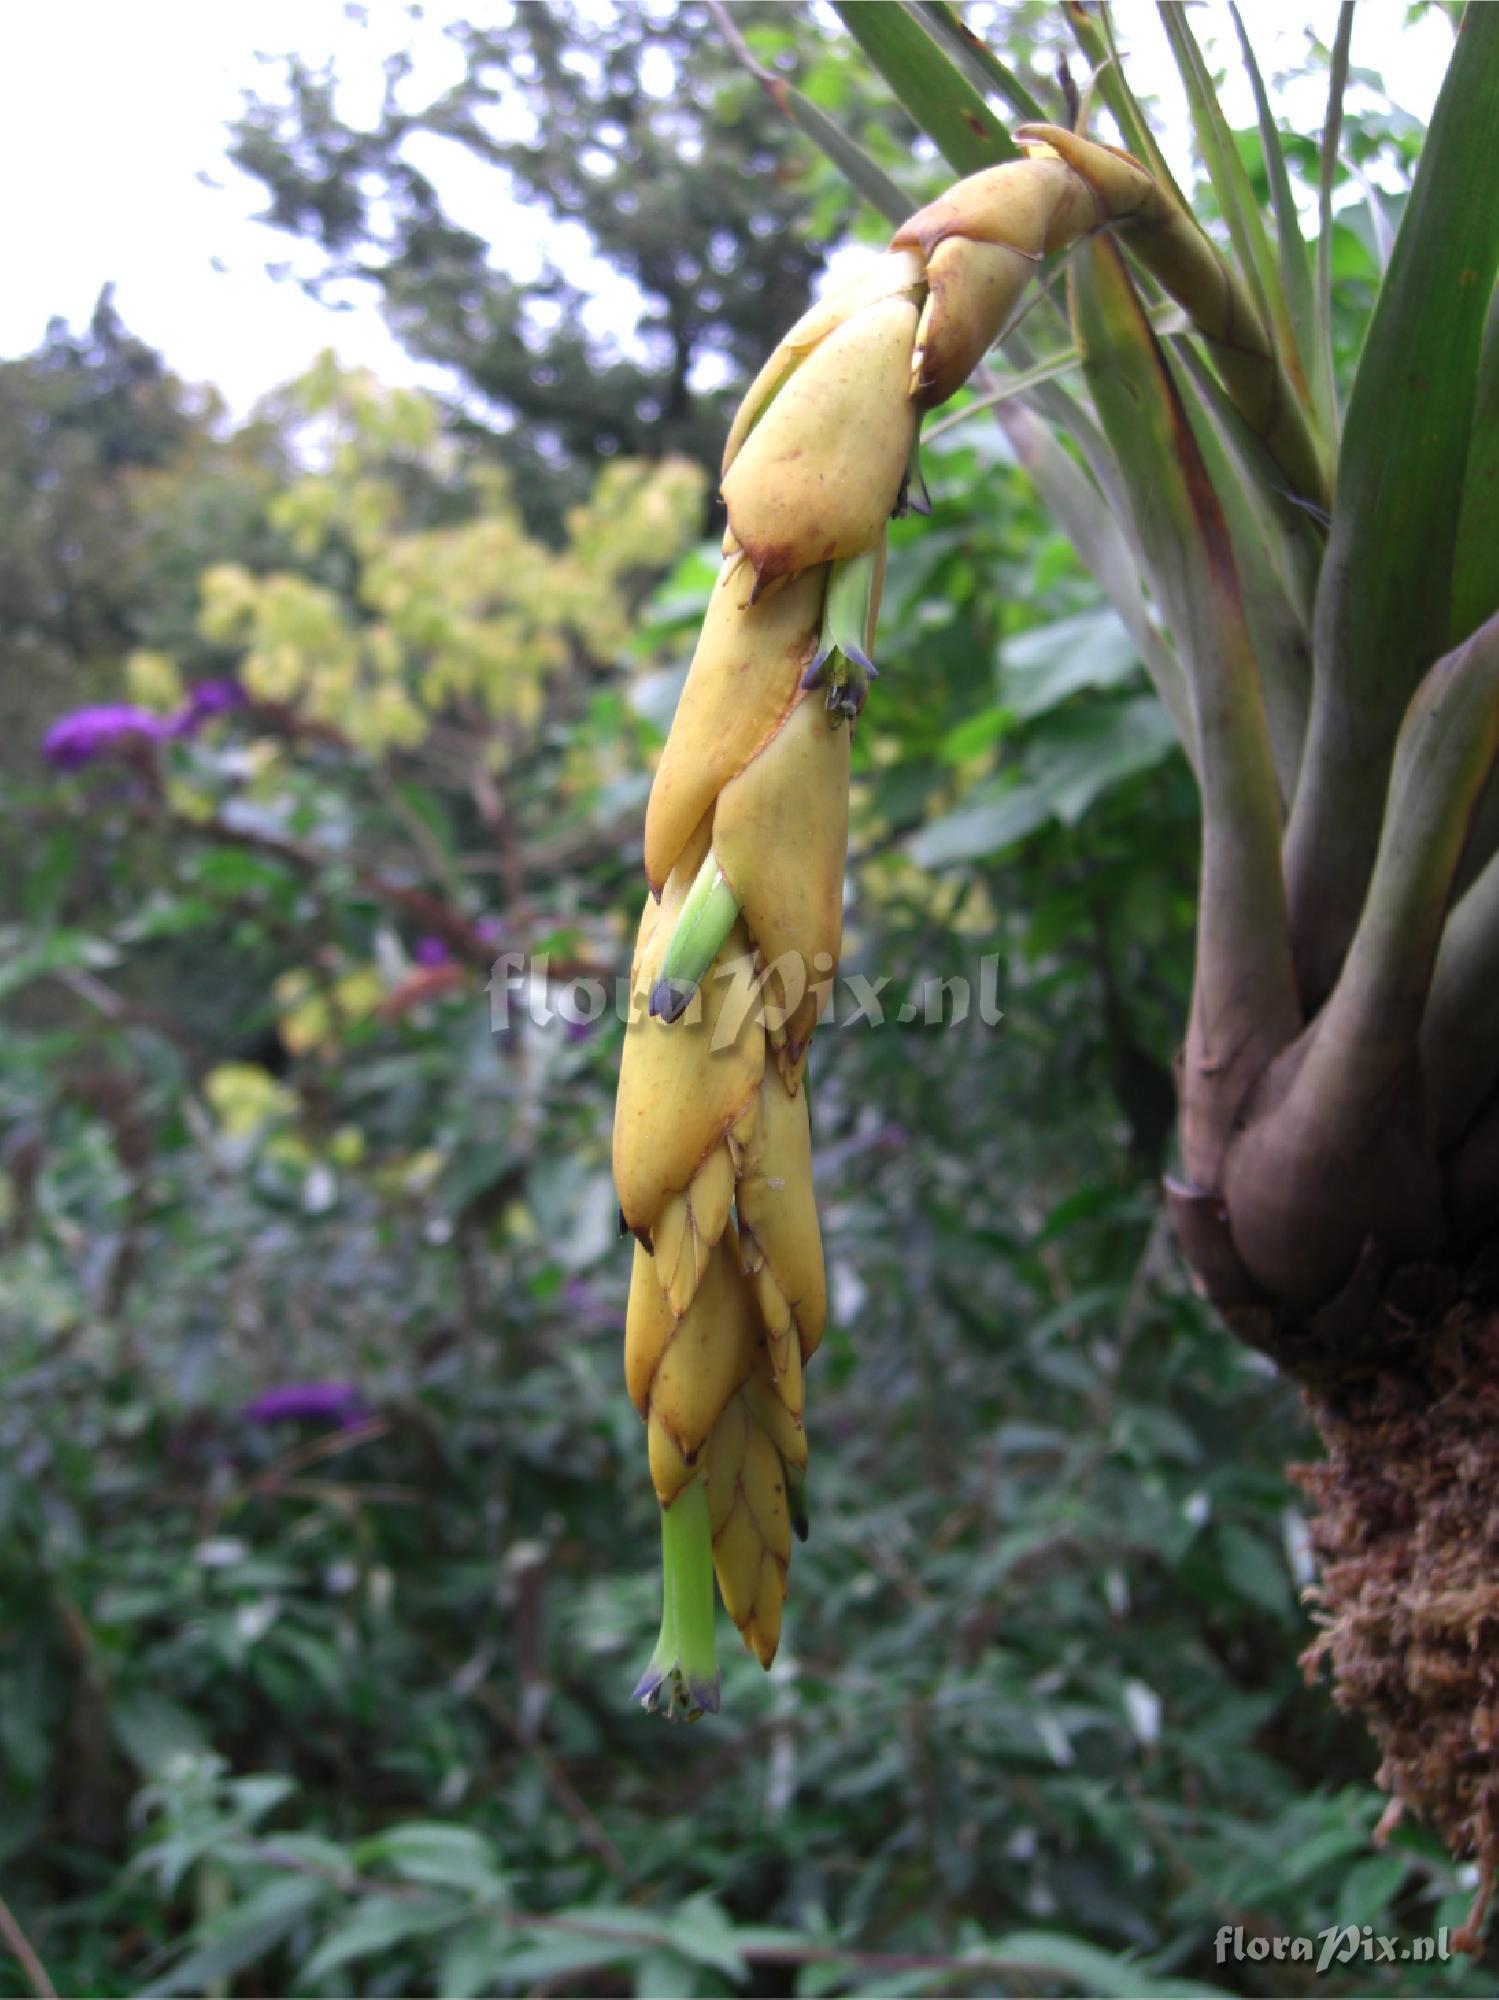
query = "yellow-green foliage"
{"x": 472, "y": 617}
{"x": 152, "y": 681}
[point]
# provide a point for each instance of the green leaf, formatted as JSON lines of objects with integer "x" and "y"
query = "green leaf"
{"x": 1297, "y": 288}
{"x": 1371, "y": 1886}
{"x": 1002, "y": 388}
{"x": 982, "y": 829}
{"x": 1237, "y": 201}
{"x": 1277, "y": 549}
{"x": 53, "y": 951}
{"x": 941, "y": 100}
{"x": 1309, "y": 1857}
{"x": 51, "y": 864}
{"x": 1258, "y": 312}
{"x": 1046, "y": 664}
{"x": 1094, "y": 528}
{"x": 470, "y": 1961}
{"x": 1255, "y": 1570}
{"x": 1080, "y": 754}
{"x": 976, "y": 733}
{"x": 448, "y": 1857}
{"x": 702, "y": 1931}
{"x": 377, "y": 1924}
{"x": 1475, "y": 565}
{"x": 1089, "y": 750}
{"x": 1093, "y": 1971}
{"x": 1244, "y": 986}
{"x": 552, "y": 1959}
{"x": 242, "y": 1935}
{"x": 1332, "y": 129}
{"x": 949, "y": 26}
{"x": 1168, "y": 318}
{"x": 863, "y": 174}
{"x": 1384, "y": 608}
{"x": 1261, "y": 264}
{"x": 554, "y": 1954}
{"x": 1093, "y": 29}
{"x": 151, "y": 1728}
{"x": 667, "y": 1975}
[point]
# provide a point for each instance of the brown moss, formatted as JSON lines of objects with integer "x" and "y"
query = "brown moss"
{"x": 1407, "y": 1537}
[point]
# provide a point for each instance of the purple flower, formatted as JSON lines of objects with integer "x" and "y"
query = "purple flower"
{"x": 336, "y": 1403}
{"x": 215, "y": 697}
{"x": 77, "y": 739}
{"x": 432, "y": 951}
{"x": 205, "y": 700}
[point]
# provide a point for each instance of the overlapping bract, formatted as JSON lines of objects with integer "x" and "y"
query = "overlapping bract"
{"x": 712, "y": 1149}
{"x": 713, "y": 1158}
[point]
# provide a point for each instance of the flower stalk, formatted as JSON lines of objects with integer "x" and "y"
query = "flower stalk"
{"x": 682, "y": 1680}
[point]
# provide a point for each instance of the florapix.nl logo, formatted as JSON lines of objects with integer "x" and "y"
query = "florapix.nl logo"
{"x": 521, "y": 988}
{"x": 1330, "y": 1949}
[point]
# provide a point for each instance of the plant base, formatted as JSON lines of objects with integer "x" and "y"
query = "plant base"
{"x": 1407, "y": 1536}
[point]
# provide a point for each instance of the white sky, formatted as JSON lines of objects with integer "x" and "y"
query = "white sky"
{"x": 112, "y": 114}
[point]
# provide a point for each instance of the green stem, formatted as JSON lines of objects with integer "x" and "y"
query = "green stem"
{"x": 681, "y": 1681}
{"x": 665, "y": 1655}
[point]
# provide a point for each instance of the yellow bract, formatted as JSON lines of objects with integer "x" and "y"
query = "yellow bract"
{"x": 743, "y": 680}
{"x": 682, "y": 1087}
{"x": 780, "y": 831}
{"x": 818, "y": 475}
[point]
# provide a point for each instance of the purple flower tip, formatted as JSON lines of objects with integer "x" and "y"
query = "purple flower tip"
{"x": 337, "y": 1403}
{"x": 704, "y": 1695}
{"x": 648, "y": 1683}
{"x": 205, "y": 700}
{"x": 77, "y": 739}
{"x": 431, "y": 951}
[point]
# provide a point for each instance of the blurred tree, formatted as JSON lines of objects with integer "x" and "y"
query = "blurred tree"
{"x": 77, "y": 418}
{"x": 118, "y": 482}
{"x": 604, "y": 125}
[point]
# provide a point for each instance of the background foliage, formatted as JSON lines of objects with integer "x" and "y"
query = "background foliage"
{"x": 328, "y": 1554}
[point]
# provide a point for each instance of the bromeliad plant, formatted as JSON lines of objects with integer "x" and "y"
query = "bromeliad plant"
{"x": 1312, "y": 580}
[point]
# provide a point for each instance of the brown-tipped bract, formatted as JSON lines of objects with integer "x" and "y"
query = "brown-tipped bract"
{"x": 780, "y": 832}
{"x": 819, "y": 474}
{"x": 741, "y": 684}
